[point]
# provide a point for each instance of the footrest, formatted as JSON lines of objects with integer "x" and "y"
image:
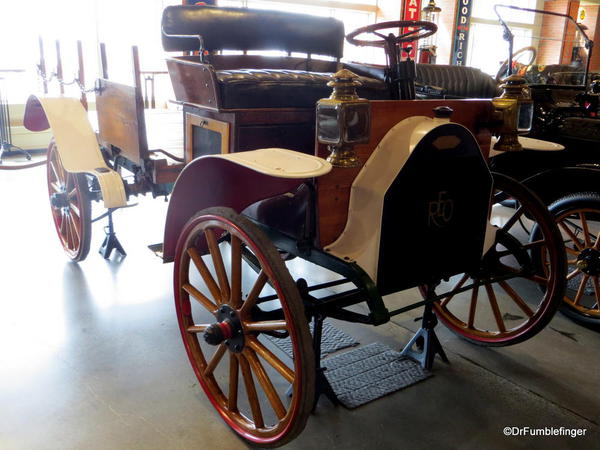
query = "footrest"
{"x": 367, "y": 373}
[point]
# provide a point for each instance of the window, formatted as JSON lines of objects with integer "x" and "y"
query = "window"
{"x": 354, "y": 14}
{"x": 487, "y": 48}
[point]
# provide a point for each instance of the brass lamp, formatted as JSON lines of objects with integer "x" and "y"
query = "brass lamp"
{"x": 515, "y": 109}
{"x": 428, "y": 47}
{"x": 343, "y": 120}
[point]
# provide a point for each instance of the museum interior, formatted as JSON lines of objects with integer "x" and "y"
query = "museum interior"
{"x": 306, "y": 224}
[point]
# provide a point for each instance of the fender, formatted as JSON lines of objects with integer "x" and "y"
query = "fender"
{"x": 361, "y": 239}
{"x": 76, "y": 142}
{"x": 552, "y": 184}
{"x": 235, "y": 181}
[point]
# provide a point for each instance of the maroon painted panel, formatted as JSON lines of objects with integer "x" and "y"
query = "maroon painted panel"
{"x": 35, "y": 117}
{"x": 207, "y": 182}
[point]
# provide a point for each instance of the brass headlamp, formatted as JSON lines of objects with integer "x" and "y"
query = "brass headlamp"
{"x": 515, "y": 108}
{"x": 343, "y": 120}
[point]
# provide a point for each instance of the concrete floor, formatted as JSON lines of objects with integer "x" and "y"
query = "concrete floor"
{"x": 91, "y": 358}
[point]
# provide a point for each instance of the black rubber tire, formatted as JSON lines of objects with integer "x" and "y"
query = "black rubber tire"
{"x": 587, "y": 203}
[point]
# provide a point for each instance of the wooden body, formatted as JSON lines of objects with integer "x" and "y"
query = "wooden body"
{"x": 121, "y": 119}
{"x": 249, "y": 129}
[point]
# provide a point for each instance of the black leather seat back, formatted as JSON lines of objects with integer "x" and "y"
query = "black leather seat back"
{"x": 458, "y": 81}
{"x": 250, "y": 29}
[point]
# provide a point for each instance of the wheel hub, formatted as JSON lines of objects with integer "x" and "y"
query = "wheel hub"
{"x": 228, "y": 329}
{"x": 59, "y": 200}
{"x": 588, "y": 261}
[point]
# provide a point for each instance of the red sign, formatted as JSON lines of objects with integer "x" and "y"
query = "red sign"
{"x": 411, "y": 11}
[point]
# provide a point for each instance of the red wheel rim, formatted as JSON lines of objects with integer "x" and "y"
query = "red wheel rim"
{"x": 69, "y": 205}
{"x": 517, "y": 307}
{"x": 580, "y": 229}
{"x": 252, "y": 356}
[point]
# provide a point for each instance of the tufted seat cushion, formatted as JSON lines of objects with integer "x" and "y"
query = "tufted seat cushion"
{"x": 279, "y": 88}
{"x": 458, "y": 81}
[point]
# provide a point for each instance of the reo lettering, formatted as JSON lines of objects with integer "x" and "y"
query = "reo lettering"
{"x": 440, "y": 210}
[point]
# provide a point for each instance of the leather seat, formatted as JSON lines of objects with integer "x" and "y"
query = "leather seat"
{"x": 279, "y": 88}
{"x": 455, "y": 81}
{"x": 458, "y": 81}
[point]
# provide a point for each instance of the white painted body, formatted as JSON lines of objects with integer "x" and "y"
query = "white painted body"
{"x": 529, "y": 144}
{"x": 360, "y": 240}
{"x": 78, "y": 146}
{"x": 279, "y": 162}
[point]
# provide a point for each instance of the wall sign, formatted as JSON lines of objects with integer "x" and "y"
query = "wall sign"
{"x": 411, "y": 11}
{"x": 461, "y": 32}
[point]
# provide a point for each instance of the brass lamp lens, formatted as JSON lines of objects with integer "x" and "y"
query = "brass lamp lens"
{"x": 328, "y": 127}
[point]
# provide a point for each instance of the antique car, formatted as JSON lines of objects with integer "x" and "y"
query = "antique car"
{"x": 392, "y": 193}
{"x": 565, "y": 100}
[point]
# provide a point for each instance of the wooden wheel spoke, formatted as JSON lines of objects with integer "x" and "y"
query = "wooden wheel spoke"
{"x": 259, "y": 284}
{"x": 215, "y": 253}
{"x": 458, "y": 285}
{"x": 473, "y": 306}
{"x": 266, "y": 384}
{"x": 69, "y": 228}
{"x": 572, "y": 235}
{"x": 596, "y": 291}
{"x": 534, "y": 244}
{"x": 597, "y": 244}
{"x": 199, "y": 297}
{"x": 516, "y": 298}
{"x": 58, "y": 175}
{"x": 539, "y": 280}
{"x": 197, "y": 328}
{"x": 251, "y": 393}
{"x": 62, "y": 224}
{"x": 270, "y": 358}
{"x": 205, "y": 274}
{"x": 74, "y": 209}
{"x": 266, "y": 325}
{"x": 581, "y": 289}
{"x": 55, "y": 187}
{"x": 586, "y": 230}
{"x": 74, "y": 223}
{"x": 495, "y": 308}
{"x": 233, "y": 382}
{"x": 215, "y": 360}
{"x": 236, "y": 272}
{"x": 516, "y": 216}
{"x": 571, "y": 251}
{"x": 572, "y": 274}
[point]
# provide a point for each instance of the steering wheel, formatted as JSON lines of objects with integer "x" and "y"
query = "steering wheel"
{"x": 520, "y": 66}
{"x": 421, "y": 30}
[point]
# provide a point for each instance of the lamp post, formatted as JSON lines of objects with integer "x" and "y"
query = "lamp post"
{"x": 427, "y": 50}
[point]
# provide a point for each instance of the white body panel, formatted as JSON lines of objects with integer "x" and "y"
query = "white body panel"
{"x": 78, "y": 147}
{"x": 529, "y": 144}
{"x": 279, "y": 162}
{"x": 360, "y": 240}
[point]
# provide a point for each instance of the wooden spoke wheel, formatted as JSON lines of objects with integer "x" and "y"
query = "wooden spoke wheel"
{"x": 229, "y": 314}
{"x": 520, "y": 281}
{"x": 578, "y": 218}
{"x": 71, "y": 206}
